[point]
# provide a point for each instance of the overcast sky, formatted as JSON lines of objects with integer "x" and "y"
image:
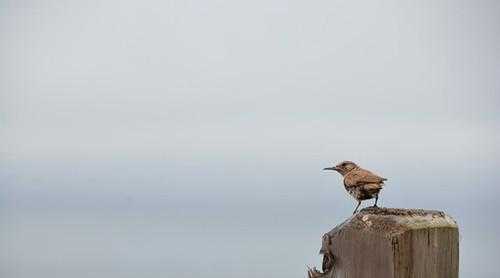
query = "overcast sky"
{"x": 214, "y": 107}
{"x": 215, "y": 78}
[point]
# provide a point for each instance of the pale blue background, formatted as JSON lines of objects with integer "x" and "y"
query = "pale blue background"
{"x": 187, "y": 138}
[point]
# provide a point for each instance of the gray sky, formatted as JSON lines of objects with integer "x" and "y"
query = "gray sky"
{"x": 209, "y": 78}
{"x": 209, "y": 111}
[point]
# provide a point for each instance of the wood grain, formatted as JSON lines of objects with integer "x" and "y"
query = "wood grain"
{"x": 394, "y": 243}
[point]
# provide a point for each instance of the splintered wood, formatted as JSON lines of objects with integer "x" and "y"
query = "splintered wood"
{"x": 391, "y": 243}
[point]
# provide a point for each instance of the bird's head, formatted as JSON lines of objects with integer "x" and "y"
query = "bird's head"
{"x": 343, "y": 167}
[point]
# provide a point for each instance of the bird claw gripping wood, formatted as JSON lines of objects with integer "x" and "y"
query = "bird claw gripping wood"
{"x": 328, "y": 261}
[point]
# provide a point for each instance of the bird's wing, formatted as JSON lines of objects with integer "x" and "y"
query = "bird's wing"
{"x": 361, "y": 177}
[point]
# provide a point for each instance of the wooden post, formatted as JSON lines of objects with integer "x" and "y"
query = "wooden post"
{"x": 392, "y": 243}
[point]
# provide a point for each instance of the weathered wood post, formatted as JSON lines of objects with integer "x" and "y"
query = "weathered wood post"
{"x": 392, "y": 243}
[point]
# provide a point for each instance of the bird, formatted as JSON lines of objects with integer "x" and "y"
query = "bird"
{"x": 360, "y": 183}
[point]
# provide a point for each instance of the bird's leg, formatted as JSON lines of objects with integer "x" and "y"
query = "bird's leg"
{"x": 376, "y": 200}
{"x": 356, "y": 209}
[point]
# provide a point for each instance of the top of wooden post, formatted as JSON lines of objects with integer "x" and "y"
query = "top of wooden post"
{"x": 390, "y": 222}
{"x": 391, "y": 243}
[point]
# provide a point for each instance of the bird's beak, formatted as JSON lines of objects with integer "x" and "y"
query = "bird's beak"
{"x": 331, "y": 168}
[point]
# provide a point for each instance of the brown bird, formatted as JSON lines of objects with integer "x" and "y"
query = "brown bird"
{"x": 360, "y": 183}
